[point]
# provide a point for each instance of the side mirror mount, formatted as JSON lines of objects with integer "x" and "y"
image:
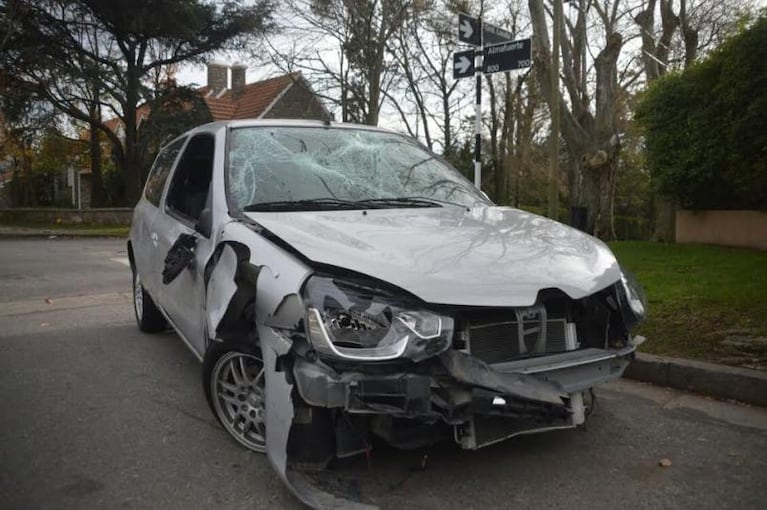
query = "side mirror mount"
{"x": 179, "y": 257}
{"x": 204, "y": 224}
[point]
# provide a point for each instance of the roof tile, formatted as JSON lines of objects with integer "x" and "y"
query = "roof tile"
{"x": 248, "y": 102}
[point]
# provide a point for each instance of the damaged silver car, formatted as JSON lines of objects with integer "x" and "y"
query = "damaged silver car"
{"x": 340, "y": 282}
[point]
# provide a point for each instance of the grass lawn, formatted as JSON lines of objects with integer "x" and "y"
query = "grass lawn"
{"x": 73, "y": 229}
{"x": 705, "y": 302}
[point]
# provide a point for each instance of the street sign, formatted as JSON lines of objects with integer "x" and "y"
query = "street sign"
{"x": 492, "y": 34}
{"x": 499, "y": 53}
{"x": 469, "y": 29}
{"x": 463, "y": 64}
{"x": 507, "y": 56}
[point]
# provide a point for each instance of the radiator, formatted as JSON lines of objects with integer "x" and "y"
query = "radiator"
{"x": 497, "y": 342}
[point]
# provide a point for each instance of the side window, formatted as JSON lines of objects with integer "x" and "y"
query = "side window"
{"x": 188, "y": 192}
{"x": 160, "y": 170}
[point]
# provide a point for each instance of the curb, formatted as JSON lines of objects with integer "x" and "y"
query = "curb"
{"x": 719, "y": 381}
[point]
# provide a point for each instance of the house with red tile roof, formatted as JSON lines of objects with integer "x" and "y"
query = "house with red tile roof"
{"x": 282, "y": 97}
{"x": 288, "y": 96}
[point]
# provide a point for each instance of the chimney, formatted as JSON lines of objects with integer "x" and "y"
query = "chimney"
{"x": 238, "y": 75}
{"x": 218, "y": 76}
{"x": 168, "y": 83}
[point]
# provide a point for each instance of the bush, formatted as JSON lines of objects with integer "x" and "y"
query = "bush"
{"x": 706, "y": 128}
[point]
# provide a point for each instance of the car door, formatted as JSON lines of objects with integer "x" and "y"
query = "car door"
{"x": 183, "y": 249}
{"x": 143, "y": 236}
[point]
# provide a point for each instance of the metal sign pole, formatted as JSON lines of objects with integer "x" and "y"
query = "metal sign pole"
{"x": 478, "y": 133}
{"x": 501, "y": 54}
{"x": 478, "y": 114}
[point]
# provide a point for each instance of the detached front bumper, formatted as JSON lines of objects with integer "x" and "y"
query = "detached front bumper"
{"x": 484, "y": 403}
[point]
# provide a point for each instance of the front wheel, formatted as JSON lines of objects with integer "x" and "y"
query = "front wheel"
{"x": 148, "y": 316}
{"x": 234, "y": 381}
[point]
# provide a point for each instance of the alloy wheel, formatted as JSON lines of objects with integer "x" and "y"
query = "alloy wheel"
{"x": 237, "y": 389}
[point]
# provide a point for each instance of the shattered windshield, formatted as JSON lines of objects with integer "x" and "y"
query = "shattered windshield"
{"x": 306, "y": 168}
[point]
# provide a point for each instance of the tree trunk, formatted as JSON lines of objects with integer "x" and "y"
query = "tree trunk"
{"x": 374, "y": 99}
{"x": 447, "y": 133}
{"x": 495, "y": 153}
{"x": 98, "y": 194}
{"x": 592, "y": 139}
{"x": 375, "y": 72}
{"x": 601, "y": 192}
{"x": 689, "y": 34}
{"x": 131, "y": 164}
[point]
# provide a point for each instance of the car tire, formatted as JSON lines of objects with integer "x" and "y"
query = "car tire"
{"x": 233, "y": 378}
{"x": 148, "y": 316}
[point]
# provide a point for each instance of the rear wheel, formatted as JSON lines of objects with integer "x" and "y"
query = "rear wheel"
{"x": 234, "y": 381}
{"x": 148, "y": 316}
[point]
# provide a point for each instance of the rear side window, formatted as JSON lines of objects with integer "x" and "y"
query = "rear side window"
{"x": 155, "y": 183}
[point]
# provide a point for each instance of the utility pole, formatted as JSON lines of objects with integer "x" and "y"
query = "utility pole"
{"x": 553, "y": 192}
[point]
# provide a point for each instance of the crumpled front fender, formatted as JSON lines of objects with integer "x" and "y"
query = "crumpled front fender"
{"x": 279, "y": 310}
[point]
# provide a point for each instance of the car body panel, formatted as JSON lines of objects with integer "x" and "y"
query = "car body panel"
{"x": 489, "y": 256}
{"x": 143, "y": 243}
{"x": 183, "y": 299}
{"x": 280, "y": 276}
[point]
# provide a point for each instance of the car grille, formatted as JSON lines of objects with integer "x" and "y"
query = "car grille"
{"x": 497, "y": 342}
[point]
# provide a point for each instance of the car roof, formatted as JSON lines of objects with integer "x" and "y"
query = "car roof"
{"x": 241, "y": 123}
{"x": 245, "y": 123}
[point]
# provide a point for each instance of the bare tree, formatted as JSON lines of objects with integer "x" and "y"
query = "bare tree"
{"x": 423, "y": 50}
{"x": 591, "y": 123}
{"x": 514, "y": 102}
{"x": 344, "y": 50}
{"x": 674, "y": 33}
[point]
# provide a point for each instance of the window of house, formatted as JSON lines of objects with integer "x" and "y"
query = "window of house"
{"x": 188, "y": 192}
{"x": 155, "y": 183}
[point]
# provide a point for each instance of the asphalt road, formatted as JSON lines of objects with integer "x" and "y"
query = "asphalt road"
{"x": 98, "y": 415}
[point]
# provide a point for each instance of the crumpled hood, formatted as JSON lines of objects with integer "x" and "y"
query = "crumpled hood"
{"x": 486, "y": 256}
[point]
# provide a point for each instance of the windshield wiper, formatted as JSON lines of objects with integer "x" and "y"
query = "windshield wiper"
{"x": 330, "y": 204}
{"x": 312, "y": 204}
{"x": 400, "y": 202}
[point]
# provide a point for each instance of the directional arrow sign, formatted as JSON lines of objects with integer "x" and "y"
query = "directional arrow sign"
{"x": 469, "y": 29}
{"x": 463, "y": 64}
{"x": 507, "y": 56}
{"x": 492, "y": 34}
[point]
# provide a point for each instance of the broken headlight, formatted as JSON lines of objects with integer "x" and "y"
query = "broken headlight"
{"x": 633, "y": 301}
{"x": 355, "y": 321}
